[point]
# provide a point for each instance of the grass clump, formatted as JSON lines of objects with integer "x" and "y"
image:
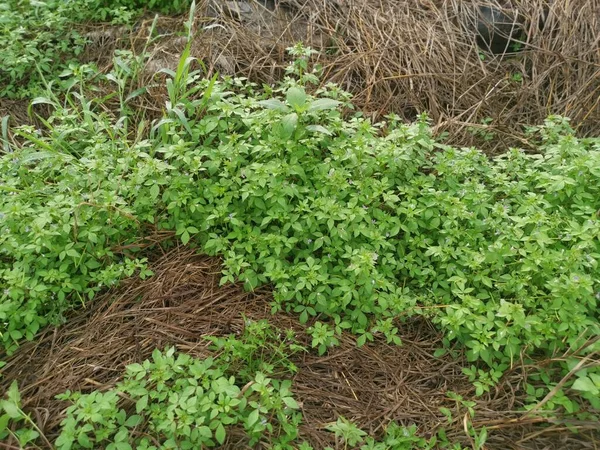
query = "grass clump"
{"x": 354, "y": 224}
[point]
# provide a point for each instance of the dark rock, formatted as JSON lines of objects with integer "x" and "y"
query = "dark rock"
{"x": 497, "y": 30}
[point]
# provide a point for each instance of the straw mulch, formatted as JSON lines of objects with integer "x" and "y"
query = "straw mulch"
{"x": 182, "y": 303}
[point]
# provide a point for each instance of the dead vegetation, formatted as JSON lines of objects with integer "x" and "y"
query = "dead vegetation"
{"x": 413, "y": 56}
{"x": 396, "y": 56}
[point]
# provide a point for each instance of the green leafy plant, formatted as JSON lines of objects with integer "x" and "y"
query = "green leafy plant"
{"x": 323, "y": 337}
{"x": 15, "y": 424}
{"x": 395, "y": 437}
{"x": 35, "y": 34}
{"x": 260, "y": 348}
{"x": 41, "y": 39}
{"x": 355, "y": 225}
{"x": 347, "y": 431}
{"x": 180, "y": 402}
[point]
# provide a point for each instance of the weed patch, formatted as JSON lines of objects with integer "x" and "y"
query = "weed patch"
{"x": 355, "y": 225}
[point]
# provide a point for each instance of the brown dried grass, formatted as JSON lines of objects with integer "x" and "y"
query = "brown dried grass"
{"x": 413, "y": 56}
{"x": 182, "y": 303}
{"x": 396, "y": 56}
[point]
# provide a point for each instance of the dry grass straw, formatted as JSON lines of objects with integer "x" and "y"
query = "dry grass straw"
{"x": 182, "y": 303}
{"x": 396, "y": 56}
{"x": 413, "y": 56}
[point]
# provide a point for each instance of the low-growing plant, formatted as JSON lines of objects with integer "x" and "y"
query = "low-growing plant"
{"x": 396, "y": 437}
{"x": 323, "y": 337}
{"x": 15, "y": 424}
{"x": 42, "y": 39}
{"x": 179, "y": 402}
{"x": 355, "y": 225}
{"x": 35, "y": 34}
{"x": 260, "y": 348}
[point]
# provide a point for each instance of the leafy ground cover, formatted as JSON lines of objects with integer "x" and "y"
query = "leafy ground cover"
{"x": 41, "y": 39}
{"x": 357, "y": 227}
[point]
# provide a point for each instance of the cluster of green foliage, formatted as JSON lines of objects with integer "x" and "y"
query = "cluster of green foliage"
{"x": 352, "y": 223}
{"x": 174, "y": 401}
{"x": 362, "y": 224}
{"x": 260, "y": 349}
{"x": 34, "y": 34}
{"x": 40, "y": 39}
{"x": 109, "y": 9}
{"x": 180, "y": 402}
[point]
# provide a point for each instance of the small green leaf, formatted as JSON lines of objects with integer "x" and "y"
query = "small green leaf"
{"x": 319, "y": 129}
{"x": 289, "y": 123}
{"x": 439, "y": 352}
{"x": 84, "y": 440}
{"x": 220, "y": 434}
{"x": 252, "y": 418}
{"x": 4, "y": 419}
{"x": 362, "y": 339}
{"x": 13, "y": 393}
{"x": 11, "y": 409}
{"x": 274, "y": 104}
{"x": 185, "y": 237}
{"x": 290, "y": 402}
{"x": 585, "y": 384}
{"x": 141, "y": 404}
{"x": 133, "y": 421}
{"x": 154, "y": 191}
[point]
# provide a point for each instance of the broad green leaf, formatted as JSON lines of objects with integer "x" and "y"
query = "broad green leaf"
{"x": 296, "y": 98}
{"x": 220, "y": 434}
{"x": 289, "y": 123}
{"x": 185, "y": 237}
{"x": 252, "y": 418}
{"x": 11, "y": 409}
{"x": 133, "y": 421}
{"x": 319, "y": 129}
{"x": 274, "y": 104}
{"x": 141, "y": 404}
{"x": 4, "y": 419}
{"x": 13, "y": 393}
{"x": 585, "y": 384}
{"x": 290, "y": 402}
{"x": 27, "y": 435}
{"x": 84, "y": 440}
{"x": 154, "y": 191}
{"x": 323, "y": 104}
